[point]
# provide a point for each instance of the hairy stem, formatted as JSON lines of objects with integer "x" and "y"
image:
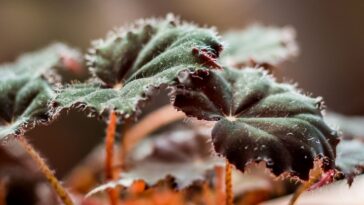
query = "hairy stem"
{"x": 228, "y": 184}
{"x": 58, "y": 188}
{"x": 147, "y": 125}
{"x": 109, "y": 147}
{"x": 220, "y": 185}
{"x": 305, "y": 186}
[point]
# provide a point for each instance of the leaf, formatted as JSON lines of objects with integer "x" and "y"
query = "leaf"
{"x": 259, "y": 45}
{"x": 350, "y": 155}
{"x": 39, "y": 63}
{"x": 350, "y": 158}
{"x": 25, "y": 91}
{"x": 259, "y": 119}
{"x": 351, "y": 126}
{"x": 183, "y": 155}
{"x": 129, "y": 64}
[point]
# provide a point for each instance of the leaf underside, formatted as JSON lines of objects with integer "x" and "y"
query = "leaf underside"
{"x": 258, "y": 45}
{"x": 25, "y": 89}
{"x": 184, "y": 155}
{"x": 130, "y": 63}
{"x": 259, "y": 119}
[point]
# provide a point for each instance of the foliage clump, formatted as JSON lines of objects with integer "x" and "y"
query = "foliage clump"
{"x": 249, "y": 116}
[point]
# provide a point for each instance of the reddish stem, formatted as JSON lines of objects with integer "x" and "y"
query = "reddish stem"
{"x": 228, "y": 184}
{"x": 109, "y": 147}
{"x": 220, "y": 185}
{"x": 316, "y": 174}
{"x": 206, "y": 194}
{"x": 48, "y": 173}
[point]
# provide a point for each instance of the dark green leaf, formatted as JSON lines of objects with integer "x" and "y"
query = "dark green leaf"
{"x": 25, "y": 91}
{"x": 129, "y": 64}
{"x": 259, "y": 45}
{"x": 259, "y": 119}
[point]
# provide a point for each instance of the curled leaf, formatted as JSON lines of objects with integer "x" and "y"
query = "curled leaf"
{"x": 350, "y": 158}
{"x": 350, "y": 154}
{"x": 258, "y": 45}
{"x": 23, "y": 103}
{"x": 130, "y": 63}
{"x": 184, "y": 155}
{"x": 25, "y": 89}
{"x": 259, "y": 119}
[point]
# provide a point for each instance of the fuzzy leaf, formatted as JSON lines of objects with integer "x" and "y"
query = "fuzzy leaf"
{"x": 132, "y": 62}
{"x": 184, "y": 155}
{"x": 259, "y": 119}
{"x": 24, "y": 91}
{"x": 350, "y": 158}
{"x": 350, "y": 150}
{"x": 259, "y": 45}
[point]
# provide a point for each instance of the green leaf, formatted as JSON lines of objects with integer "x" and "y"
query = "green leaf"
{"x": 258, "y": 45}
{"x": 132, "y": 62}
{"x": 184, "y": 155}
{"x": 350, "y": 150}
{"x": 25, "y": 91}
{"x": 259, "y": 119}
{"x": 350, "y": 158}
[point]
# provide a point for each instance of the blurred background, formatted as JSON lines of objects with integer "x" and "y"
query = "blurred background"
{"x": 330, "y": 35}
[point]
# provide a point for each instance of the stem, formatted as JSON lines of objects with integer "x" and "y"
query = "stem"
{"x": 122, "y": 148}
{"x": 109, "y": 147}
{"x": 206, "y": 194}
{"x": 163, "y": 116}
{"x": 228, "y": 184}
{"x": 220, "y": 182}
{"x": 315, "y": 176}
{"x": 58, "y": 188}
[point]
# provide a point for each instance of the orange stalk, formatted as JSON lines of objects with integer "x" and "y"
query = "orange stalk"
{"x": 48, "y": 173}
{"x": 207, "y": 194}
{"x": 109, "y": 147}
{"x": 301, "y": 189}
{"x": 220, "y": 185}
{"x": 228, "y": 184}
